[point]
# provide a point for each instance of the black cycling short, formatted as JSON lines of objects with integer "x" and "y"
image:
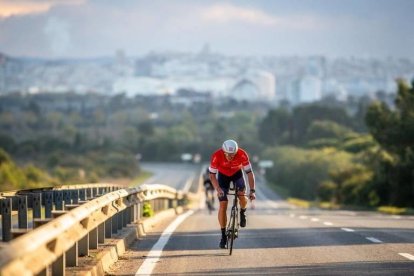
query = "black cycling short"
{"x": 224, "y": 183}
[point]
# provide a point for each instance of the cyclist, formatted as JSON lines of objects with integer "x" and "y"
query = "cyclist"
{"x": 227, "y": 164}
{"x": 208, "y": 189}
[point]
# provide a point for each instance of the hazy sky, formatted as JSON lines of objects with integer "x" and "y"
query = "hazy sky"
{"x": 90, "y": 28}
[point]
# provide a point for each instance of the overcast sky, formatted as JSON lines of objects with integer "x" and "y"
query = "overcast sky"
{"x": 91, "y": 28}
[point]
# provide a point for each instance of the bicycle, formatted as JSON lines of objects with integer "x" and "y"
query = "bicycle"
{"x": 210, "y": 201}
{"x": 232, "y": 230}
{"x": 209, "y": 192}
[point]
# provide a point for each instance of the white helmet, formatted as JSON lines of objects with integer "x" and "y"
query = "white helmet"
{"x": 230, "y": 146}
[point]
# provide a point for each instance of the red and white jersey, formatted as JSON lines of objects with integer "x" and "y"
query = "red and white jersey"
{"x": 219, "y": 163}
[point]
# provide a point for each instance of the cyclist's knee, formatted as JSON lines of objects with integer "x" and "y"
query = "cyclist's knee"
{"x": 223, "y": 204}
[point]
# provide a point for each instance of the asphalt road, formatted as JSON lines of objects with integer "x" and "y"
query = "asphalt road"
{"x": 177, "y": 175}
{"x": 280, "y": 240}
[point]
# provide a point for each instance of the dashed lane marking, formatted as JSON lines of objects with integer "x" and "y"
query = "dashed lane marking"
{"x": 374, "y": 240}
{"x": 348, "y": 229}
{"x": 406, "y": 255}
{"x": 328, "y": 223}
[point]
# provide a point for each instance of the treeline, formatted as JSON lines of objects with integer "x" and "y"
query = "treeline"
{"x": 352, "y": 153}
{"x": 84, "y": 138}
{"x": 325, "y": 156}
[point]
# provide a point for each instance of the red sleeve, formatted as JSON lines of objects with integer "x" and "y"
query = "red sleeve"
{"x": 214, "y": 163}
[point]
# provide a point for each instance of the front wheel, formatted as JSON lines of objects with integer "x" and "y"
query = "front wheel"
{"x": 231, "y": 231}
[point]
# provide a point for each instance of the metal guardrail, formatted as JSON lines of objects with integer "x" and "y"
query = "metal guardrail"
{"x": 42, "y": 200}
{"x": 58, "y": 243}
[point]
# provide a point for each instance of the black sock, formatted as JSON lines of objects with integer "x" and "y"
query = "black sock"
{"x": 223, "y": 232}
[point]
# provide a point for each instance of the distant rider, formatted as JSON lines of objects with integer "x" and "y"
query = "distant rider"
{"x": 208, "y": 189}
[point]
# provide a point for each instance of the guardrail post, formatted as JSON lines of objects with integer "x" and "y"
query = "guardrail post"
{"x": 6, "y": 218}
{"x": 114, "y": 223}
{"x": 58, "y": 266}
{"x": 93, "y": 238}
{"x": 67, "y": 197}
{"x": 125, "y": 217}
{"x": 75, "y": 196}
{"x": 120, "y": 220}
{"x": 37, "y": 205}
{"x": 138, "y": 211}
{"x": 101, "y": 233}
{"x": 108, "y": 228}
{"x": 22, "y": 212}
{"x": 133, "y": 212}
{"x": 94, "y": 192}
{"x": 84, "y": 246}
{"x": 58, "y": 199}
{"x": 48, "y": 202}
{"x": 88, "y": 193}
{"x": 165, "y": 203}
{"x": 72, "y": 256}
{"x": 82, "y": 194}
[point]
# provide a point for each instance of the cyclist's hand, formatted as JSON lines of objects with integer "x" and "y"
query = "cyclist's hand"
{"x": 220, "y": 192}
{"x": 252, "y": 196}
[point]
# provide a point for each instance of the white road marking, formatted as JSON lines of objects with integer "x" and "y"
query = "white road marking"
{"x": 314, "y": 219}
{"x": 156, "y": 251}
{"x": 292, "y": 215}
{"x": 328, "y": 223}
{"x": 374, "y": 240}
{"x": 303, "y": 217}
{"x": 408, "y": 256}
{"x": 348, "y": 229}
{"x": 188, "y": 184}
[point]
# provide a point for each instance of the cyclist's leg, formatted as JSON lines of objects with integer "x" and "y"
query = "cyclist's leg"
{"x": 224, "y": 183}
{"x": 241, "y": 187}
{"x": 240, "y": 183}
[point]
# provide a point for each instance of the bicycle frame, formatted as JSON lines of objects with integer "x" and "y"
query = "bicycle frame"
{"x": 233, "y": 224}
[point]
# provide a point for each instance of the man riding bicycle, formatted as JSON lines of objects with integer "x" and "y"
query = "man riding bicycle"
{"x": 227, "y": 164}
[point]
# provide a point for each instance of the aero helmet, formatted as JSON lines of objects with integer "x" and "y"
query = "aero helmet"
{"x": 230, "y": 146}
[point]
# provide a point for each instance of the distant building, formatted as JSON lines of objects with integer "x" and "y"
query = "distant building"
{"x": 305, "y": 90}
{"x": 255, "y": 86}
{"x": 332, "y": 88}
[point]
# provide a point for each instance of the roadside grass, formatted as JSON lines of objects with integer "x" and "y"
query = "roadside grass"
{"x": 284, "y": 193}
{"x": 395, "y": 210}
{"x": 392, "y": 210}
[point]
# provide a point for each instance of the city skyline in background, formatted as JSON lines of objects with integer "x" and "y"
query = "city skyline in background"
{"x": 90, "y": 28}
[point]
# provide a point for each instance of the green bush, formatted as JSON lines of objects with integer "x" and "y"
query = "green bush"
{"x": 147, "y": 210}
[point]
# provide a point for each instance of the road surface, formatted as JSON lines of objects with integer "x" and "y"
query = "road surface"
{"x": 279, "y": 240}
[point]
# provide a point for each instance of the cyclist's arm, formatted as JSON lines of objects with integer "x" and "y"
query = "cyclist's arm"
{"x": 252, "y": 181}
{"x": 214, "y": 181}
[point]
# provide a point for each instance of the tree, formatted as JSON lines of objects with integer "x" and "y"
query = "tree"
{"x": 394, "y": 131}
{"x": 303, "y": 116}
{"x": 275, "y": 127}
